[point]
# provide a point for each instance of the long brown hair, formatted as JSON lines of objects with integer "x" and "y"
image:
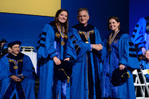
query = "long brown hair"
{"x": 56, "y": 19}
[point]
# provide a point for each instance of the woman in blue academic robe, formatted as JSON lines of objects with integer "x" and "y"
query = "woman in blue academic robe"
{"x": 51, "y": 50}
{"x": 116, "y": 55}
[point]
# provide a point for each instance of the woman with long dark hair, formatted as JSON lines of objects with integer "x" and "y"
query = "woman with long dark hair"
{"x": 118, "y": 79}
{"x": 51, "y": 50}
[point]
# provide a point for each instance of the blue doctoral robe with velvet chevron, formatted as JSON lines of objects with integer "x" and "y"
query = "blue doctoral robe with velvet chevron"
{"x": 49, "y": 46}
{"x": 24, "y": 89}
{"x": 87, "y": 68}
{"x": 140, "y": 35}
{"x": 122, "y": 52}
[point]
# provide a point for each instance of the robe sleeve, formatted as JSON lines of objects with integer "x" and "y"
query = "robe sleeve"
{"x": 98, "y": 37}
{"x": 98, "y": 40}
{"x": 138, "y": 35}
{"x": 124, "y": 49}
{"x": 45, "y": 47}
{"x": 80, "y": 46}
{"x": 70, "y": 49}
{"x": 125, "y": 53}
{"x": 28, "y": 70}
{"x": 4, "y": 68}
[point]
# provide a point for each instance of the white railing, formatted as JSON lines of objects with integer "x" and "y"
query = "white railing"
{"x": 30, "y": 51}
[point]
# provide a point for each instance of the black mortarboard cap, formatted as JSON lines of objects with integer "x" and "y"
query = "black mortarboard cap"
{"x": 63, "y": 71}
{"x": 13, "y": 43}
{"x": 119, "y": 77}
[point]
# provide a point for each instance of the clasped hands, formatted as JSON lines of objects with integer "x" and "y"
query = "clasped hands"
{"x": 16, "y": 79}
{"x": 97, "y": 47}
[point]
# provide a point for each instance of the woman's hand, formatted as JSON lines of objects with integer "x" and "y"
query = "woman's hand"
{"x": 121, "y": 67}
{"x": 56, "y": 60}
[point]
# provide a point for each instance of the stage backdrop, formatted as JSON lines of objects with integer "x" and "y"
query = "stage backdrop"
{"x": 32, "y": 7}
{"x": 138, "y": 9}
{"x": 24, "y": 25}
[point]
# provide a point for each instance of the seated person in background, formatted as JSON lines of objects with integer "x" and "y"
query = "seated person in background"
{"x": 145, "y": 63}
{"x": 16, "y": 74}
{"x": 3, "y": 47}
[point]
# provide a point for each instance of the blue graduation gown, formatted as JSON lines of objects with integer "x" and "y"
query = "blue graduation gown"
{"x": 120, "y": 54}
{"x": 140, "y": 35}
{"x": 23, "y": 90}
{"x": 86, "y": 70}
{"x": 49, "y": 46}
